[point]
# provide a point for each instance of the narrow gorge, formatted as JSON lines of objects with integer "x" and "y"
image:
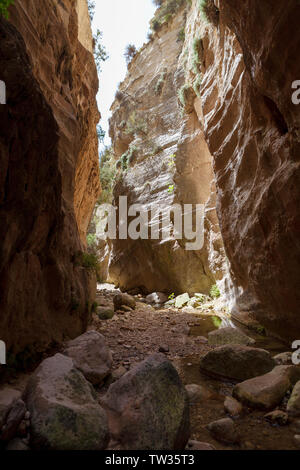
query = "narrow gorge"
{"x": 161, "y": 338}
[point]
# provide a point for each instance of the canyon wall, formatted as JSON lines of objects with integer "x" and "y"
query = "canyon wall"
{"x": 163, "y": 160}
{"x": 236, "y": 130}
{"x": 49, "y": 178}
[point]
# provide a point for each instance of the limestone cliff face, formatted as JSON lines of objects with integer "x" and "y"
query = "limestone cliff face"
{"x": 48, "y": 154}
{"x": 168, "y": 162}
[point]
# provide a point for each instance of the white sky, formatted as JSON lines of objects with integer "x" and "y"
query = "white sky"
{"x": 122, "y": 22}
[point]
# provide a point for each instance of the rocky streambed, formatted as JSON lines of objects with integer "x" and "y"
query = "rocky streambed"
{"x": 150, "y": 375}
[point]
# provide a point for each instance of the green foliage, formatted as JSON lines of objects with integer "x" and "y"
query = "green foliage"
{"x": 217, "y": 321}
{"x": 182, "y": 93}
{"x": 181, "y": 35}
{"x": 214, "y": 292}
{"x": 91, "y": 7}
{"x": 136, "y": 124}
{"x": 91, "y": 239}
{"x": 89, "y": 261}
{"x": 197, "y": 84}
{"x": 166, "y": 11}
{"x": 107, "y": 175}
{"x": 100, "y": 133}
{"x": 172, "y": 160}
{"x": 100, "y": 53}
{"x": 171, "y": 296}
{"x": 209, "y": 11}
{"x": 160, "y": 83}
{"x": 171, "y": 188}
{"x": 127, "y": 158}
{"x": 4, "y": 4}
{"x": 130, "y": 52}
{"x": 197, "y": 48}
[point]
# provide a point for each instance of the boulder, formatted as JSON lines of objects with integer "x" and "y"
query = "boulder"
{"x": 268, "y": 390}
{"x": 236, "y": 362}
{"x": 293, "y": 406}
{"x": 105, "y": 313}
{"x": 182, "y": 300}
{"x": 232, "y": 406}
{"x": 148, "y": 407}
{"x": 64, "y": 411}
{"x": 224, "y": 430}
{"x": 13, "y": 420}
{"x": 156, "y": 298}
{"x": 91, "y": 356}
{"x": 124, "y": 299}
{"x": 277, "y": 417}
{"x": 7, "y": 398}
{"x": 228, "y": 335}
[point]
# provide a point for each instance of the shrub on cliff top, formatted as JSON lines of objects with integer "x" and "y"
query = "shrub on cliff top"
{"x": 167, "y": 9}
{"x": 130, "y": 52}
{"x": 4, "y": 4}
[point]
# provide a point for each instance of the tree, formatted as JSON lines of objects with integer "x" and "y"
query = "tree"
{"x": 91, "y": 7}
{"x": 4, "y": 4}
{"x": 100, "y": 133}
{"x": 130, "y": 52}
{"x": 100, "y": 53}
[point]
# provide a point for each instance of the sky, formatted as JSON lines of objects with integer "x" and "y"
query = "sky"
{"x": 122, "y": 22}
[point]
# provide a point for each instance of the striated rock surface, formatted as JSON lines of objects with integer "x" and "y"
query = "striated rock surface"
{"x": 252, "y": 130}
{"x": 49, "y": 172}
{"x": 165, "y": 161}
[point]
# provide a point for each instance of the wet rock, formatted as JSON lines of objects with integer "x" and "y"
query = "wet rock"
{"x": 13, "y": 420}
{"x": 232, "y": 406}
{"x": 268, "y": 390}
{"x": 105, "y": 313}
{"x": 197, "y": 393}
{"x": 283, "y": 359}
{"x": 146, "y": 402}
{"x": 237, "y": 362}
{"x": 91, "y": 356}
{"x": 277, "y": 417}
{"x": 157, "y": 298}
{"x": 124, "y": 299}
{"x": 16, "y": 444}
{"x": 7, "y": 397}
{"x": 197, "y": 445}
{"x": 293, "y": 406}
{"x": 64, "y": 411}
{"x": 181, "y": 300}
{"x": 228, "y": 335}
{"x": 224, "y": 430}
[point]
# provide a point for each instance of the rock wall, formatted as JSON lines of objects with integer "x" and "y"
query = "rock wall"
{"x": 168, "y": 163}
{"x": 48, "y": 155}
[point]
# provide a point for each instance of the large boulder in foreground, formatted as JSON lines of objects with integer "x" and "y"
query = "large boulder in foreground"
{"x": 267, "y": 391}
{"x": 237, "y": 362}
{"x": 64, "y": 412}
{"x": 91, "y": 356}
{"x": 148, "y": 408}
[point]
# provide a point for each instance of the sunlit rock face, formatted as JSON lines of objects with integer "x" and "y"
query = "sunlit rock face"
{"x": 252, "y": 129}
{"x": 48, "y": 152}
{"x": 170, "y": 164}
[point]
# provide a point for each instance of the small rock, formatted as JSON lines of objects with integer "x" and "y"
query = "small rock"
{"x": 182, "y": 300}
{"x": 237, "y": 362}
{"x": 224, "y": 430}
{"x": 7, "y": 397}
{"x": 267, "y": 391}
{"x": 232, "y": 406}
{"x": 17, "y": 444}
{"x": 228, "y": 335}
{"x": 277, "y": 417}
{"x": 164, "y": 348}
{"x": 126, "y": 309}
{"x": 293, "y": 406}
{"x": 197, "y": 393}
{"x": 13, "y": 420}
{"x": 27, "y": 415}
{"x": 22, "y": 429}
{"x": 105, "y": 313}
{"x": 247, "y": 445}
{"x": 156, "y": 298}
{"x": 283, "y": 359}
{"x": 91, "y": 356}
{"x": 118, "y": 373}
{"x": 124, "y": 299}
{"x": 197, "y": 445}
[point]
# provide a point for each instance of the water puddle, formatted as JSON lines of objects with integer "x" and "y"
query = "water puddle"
{"x": 205, "y": 324}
